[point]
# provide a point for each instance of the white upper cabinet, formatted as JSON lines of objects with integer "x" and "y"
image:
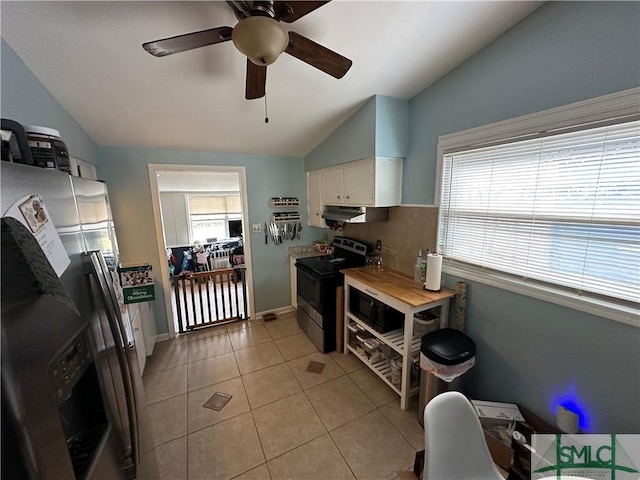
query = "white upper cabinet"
{"x": 372, "y": 182}
{"x": 314, "y": 195}
{"x": 80, "y": 168}
{"x": 332, "y": 186}
{"x": 358, "y": 183}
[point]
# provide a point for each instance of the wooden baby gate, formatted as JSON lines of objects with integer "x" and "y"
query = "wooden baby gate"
{"x": 209, "y": 298}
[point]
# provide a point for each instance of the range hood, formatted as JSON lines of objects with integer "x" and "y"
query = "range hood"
{"x": 355, "y": 214}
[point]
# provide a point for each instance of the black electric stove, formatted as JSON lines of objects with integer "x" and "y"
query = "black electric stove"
{"x": 317, "y": 281}
{"x": 348, "y": 253}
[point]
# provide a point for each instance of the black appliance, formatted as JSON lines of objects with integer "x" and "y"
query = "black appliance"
{"x": 36, "y": 146}
{"x": 15, "y": 144}
{"x": 376, "y": 314}
{"x": 73, "y": 402}
{"x": 317, "y": 281}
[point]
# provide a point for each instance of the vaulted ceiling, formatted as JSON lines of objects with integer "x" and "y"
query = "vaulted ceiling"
{"x": 89, "y": 56}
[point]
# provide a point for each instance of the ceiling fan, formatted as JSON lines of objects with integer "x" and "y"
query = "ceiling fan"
{"x": 260, "y": 36}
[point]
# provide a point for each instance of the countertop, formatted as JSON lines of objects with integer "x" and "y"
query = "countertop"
{"x": 397, "y": 285}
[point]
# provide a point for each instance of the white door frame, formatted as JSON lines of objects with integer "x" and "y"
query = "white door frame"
{"x": 154, "y": 169}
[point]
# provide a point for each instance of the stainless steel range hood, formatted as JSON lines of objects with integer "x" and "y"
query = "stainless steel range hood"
{"x": 356, "y": 214}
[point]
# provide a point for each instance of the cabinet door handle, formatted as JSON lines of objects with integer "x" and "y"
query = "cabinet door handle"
{"x": 338, "y": 196}
{"x": 347, "y": 197}
{"x": 372, "y": 293}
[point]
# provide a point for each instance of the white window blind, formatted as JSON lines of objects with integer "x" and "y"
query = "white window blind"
{"x": 559, "y": 209}
{"x": 204, "y": 205}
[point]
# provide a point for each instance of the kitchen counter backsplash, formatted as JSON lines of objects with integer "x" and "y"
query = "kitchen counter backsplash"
{"x": 407, "y": 230}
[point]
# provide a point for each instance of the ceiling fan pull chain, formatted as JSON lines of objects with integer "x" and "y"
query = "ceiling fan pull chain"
{"x": 266, "y": 117}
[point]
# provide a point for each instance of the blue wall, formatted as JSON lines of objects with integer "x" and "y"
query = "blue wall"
{"x": 530, "y": 351}
{"x": 562, "y": 53}
{"x": 352, "y": 140}
{"x": 392, "y": 127}
{"x": 379, "y": 128}
{"x": 25, "y": 100}
{"x": 126, "y": 172}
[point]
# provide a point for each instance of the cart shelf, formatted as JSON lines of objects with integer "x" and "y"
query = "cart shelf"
{"x": 393, "y": 338}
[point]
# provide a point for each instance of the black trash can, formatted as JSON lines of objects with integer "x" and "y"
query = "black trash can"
{"x": 445, "y": 355}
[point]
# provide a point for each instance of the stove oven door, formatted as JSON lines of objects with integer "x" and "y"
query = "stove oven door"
{"x": 310, "y": 288}
{"x": 316, "y": 308}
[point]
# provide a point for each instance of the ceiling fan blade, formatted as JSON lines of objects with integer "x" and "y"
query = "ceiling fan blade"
{"x": 256, "y": 80}
{"x": 318, "y": 56}
{"x": 293, "y": 10}
{"x": 189, "y": 41}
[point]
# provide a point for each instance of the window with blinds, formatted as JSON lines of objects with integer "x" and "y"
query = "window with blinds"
{"x": 559, "y": 210}
{"x": 214, "y": 217}
{"x": 207, "y": 205}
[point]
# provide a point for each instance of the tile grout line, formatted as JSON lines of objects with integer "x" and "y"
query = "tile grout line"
{"x": 340, "y": 426}
{"x": 379, "y": 408}
{"x": 298, "y": 382}
{"x": 255, "y": 426}
{"x": 375, "y": 409}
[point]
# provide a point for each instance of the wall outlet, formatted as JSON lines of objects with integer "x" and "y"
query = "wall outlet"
{"x": 256, "y": 228}
{"x": 379, "y": 245}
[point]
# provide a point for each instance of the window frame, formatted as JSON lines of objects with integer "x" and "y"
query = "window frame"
{"x": 575, "y": 116}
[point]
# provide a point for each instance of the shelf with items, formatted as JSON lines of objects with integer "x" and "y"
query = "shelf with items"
{"x": 392, "y": 338}
{"x": 285, "y": 216}
{"x": 282, "y": 217}
{"x": 381, "y": 359}
{"x": 382, "y": 368}
{"x": 284, "y": 202}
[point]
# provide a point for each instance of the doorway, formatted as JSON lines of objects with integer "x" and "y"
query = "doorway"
{"x": 200, "y": 208}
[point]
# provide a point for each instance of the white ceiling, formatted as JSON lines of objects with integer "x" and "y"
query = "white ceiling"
{"x": 89, "y": 56}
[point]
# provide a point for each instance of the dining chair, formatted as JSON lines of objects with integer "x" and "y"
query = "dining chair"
{"x": 455, "y": 448}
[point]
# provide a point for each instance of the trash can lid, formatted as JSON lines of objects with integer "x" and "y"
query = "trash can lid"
{"x": 447, "y": 346}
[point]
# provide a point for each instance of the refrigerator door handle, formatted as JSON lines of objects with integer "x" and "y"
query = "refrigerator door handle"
{"x": 96, "y": 266}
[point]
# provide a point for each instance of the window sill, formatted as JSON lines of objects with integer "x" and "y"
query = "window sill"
{"x": 594, "y": 306}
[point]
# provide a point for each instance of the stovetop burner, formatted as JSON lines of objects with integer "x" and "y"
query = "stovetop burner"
{"x": 348, "y": 253}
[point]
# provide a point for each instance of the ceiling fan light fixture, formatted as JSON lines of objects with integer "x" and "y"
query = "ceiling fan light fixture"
{"x": 261, "y": 39}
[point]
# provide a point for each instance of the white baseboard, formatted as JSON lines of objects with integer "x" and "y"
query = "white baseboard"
{"x": 281, "y": 310}
{"x": 162, "y": 337}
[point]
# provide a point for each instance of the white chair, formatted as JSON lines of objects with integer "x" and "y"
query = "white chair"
{"x": 455, "y": 448}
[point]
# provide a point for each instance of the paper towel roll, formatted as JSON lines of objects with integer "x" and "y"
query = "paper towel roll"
{"x": 434, "y": 272}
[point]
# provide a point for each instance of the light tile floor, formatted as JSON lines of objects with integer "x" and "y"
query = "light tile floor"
{"x": 281, "y": 422}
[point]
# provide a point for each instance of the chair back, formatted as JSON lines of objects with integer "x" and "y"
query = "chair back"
{"x": 455, "y": 448}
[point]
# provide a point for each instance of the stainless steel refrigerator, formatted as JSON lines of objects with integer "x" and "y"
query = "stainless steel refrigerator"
{"x": 73, "y": 405}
